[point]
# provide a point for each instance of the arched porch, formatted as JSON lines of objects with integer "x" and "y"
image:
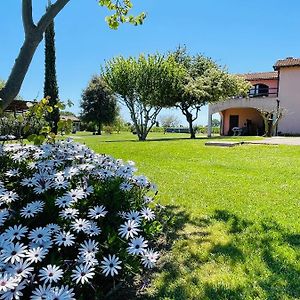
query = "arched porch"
{"x": 243, "y": 113}
{"x": 248, "y": 119}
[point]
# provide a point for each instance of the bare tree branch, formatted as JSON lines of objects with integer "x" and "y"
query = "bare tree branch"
{"x": 27, "y": 16}
{"x": 51, "y": 13}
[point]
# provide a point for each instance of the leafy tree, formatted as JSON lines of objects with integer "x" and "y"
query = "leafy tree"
{"x": 67, "y": 113}
{"x": 50, "y": 84}
{"x": 215, "y": 123}
{"x": 271, "y": 119}
{"x": 34, "y": 35}
{"x": 145, "y": 85}
{"x": 205, "y": 82}
{"x": 169, "y": 121}
{"x": 98, "y": 104}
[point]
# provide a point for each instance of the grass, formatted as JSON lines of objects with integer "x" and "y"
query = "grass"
{"x": 236, "y": 234}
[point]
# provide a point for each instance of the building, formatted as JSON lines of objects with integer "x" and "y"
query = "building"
{"x": 74, "y": 119}
{"x": 274, "y": 92}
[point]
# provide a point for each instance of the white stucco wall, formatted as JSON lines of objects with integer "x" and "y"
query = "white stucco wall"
{"x": 289, "y": 96}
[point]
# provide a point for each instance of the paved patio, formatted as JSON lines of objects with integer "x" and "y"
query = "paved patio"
{"x": 278, "y": 140}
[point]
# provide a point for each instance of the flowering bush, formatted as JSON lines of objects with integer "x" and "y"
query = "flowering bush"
{"x": 73, "y": 222}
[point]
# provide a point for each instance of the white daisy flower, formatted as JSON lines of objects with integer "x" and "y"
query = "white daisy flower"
{"x": 64, "y": 238}
{"x": 83, "y": 274}
{"x": 13, "y": 252}
{"x": 75, "y": 194}
{"x": 148, "y": 214}
{"x": 80, "y": 225}
{"x": 46, "y": 244}
{"x": 51, "y": 273}
{"x": 69, "y": 213}
{"x": 147, "y": 199}
{"x": 88, "y": 190}
{"x": 16, "y": 292}
{"x": 129, "y": 229}
{"x": 62, "y": 293}
{"x": 126, "y": 186}
{"x": 63, "y": 201}
{"x": 30, "y": 182}
{"x": 70, "y": 172}
{"x": 9, "y": 197}
{"x": 31, "y": 209}
{"x": 97, "y": 211}
{"x": 122, "y": 214}
{"x": 141, "y": 181}
{"x": 89, "y": 248}
{"x": 7, "y": 282}
{"x": 93, "y": 230}
{"x": 42, "y": 186}
{"x": 41, "y": 293}
{"x": 137, "y": 246}
{"x": 21, "y": 268}
{"x": 89, "y": 260}
{"x": 110, "y": 265}
{"x": 150, "y": 258}
{"x": 134, "y": 216}
{"x": 40, "y": 235}
{"x": 36, "y": 255}
{"x": 60, "y": 183}
{"x": 4, "y": 213}
{"x": 12, "y": 173}
{"x": 16, "y": 232}
{"x": 53, "y": 227}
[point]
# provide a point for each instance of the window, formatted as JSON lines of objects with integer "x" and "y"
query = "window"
{"x": 259, "y": 90}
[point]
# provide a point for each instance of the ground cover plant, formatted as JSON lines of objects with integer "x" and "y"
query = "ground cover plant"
{"x": 73, "y": 223}
{"x": 236, "y": 230}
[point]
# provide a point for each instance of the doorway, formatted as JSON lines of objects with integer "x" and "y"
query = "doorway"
{"x": 233, "y": 122}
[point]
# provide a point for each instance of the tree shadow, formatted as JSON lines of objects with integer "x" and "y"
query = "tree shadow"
{"x": 223, "y": 256}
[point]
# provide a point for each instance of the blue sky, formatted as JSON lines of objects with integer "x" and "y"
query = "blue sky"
{"x": 246, "y": 36}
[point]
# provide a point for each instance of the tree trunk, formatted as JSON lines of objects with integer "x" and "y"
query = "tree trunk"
{"x": 190, "y": 121}
{"x": 20, "y": 68}
{"x": 99, "y": 128}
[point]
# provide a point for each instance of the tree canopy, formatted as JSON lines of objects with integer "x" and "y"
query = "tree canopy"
{"x": 98, "y": 103}
{"x": 145, "y": 85}
{"x": 120, "y": 13}
{"x": 205, "y": 82}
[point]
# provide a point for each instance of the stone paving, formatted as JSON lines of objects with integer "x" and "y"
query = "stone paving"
{"x": 278, "y": 140}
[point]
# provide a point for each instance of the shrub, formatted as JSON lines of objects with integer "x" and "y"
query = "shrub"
{"x": 74, "y": 223}
{"x": 9, "y": 124}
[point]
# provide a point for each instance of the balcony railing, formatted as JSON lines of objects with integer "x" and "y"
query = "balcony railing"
{"x": 263, "y": 92}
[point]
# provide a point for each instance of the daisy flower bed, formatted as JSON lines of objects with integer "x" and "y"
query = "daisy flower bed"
{"x": 73, "y": 223}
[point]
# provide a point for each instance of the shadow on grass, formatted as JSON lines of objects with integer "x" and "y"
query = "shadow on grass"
{"x": 226, "y": 257}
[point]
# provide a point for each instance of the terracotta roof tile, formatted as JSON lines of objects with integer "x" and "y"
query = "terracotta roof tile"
{"x": 260, "y": 76}
{"x": 287, "y": 62}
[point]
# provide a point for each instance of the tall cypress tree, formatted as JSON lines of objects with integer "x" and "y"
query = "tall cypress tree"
{"x": 50, "y": 84}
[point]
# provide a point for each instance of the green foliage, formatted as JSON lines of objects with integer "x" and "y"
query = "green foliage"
{"x": 215, "y": 122}
{"x": 98, "y": 103}
{"x": 37, "y": 113}
{"x": 2, "y": 84}
{"x": 145, "y": 85}
{"x": 121, "y": 9}
{"x": 169, "y": 121}
{"x": 206, "y": 82}
{"x": 50, "y": 84}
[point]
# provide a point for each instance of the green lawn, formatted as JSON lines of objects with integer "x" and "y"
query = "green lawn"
{"x": 237, "y": 231}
